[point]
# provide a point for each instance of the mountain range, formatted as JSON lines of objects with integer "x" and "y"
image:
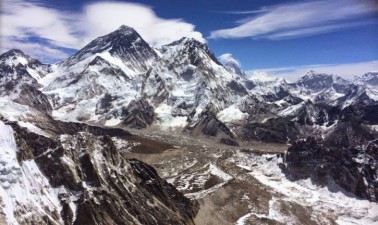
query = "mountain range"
{"x": 119, "y": 82}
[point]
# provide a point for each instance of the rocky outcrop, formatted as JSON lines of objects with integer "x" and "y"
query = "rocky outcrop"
{"x": 97, "y": 185}
{"x": 278, "y": 130}
{"x": 209, "y": 125}
{"x": 353, "y": 168}
{"x": 138, "y": 114}
{"x": 31, "y": 96}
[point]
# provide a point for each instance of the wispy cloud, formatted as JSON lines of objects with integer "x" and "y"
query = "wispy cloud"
{"x": 23, "y": 22}
{"x": 299, "y": 19}
{"x": 348, "y": 70}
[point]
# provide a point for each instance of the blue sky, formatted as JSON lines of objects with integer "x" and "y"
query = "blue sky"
{"x": 283, "y": 38}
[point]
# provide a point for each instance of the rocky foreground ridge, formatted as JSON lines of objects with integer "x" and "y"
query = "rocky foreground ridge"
{"x": 82, "y": 178}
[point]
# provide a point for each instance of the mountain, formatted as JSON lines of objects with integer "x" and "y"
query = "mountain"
{"x": 18, "y": 69}
{"x": 82, "y": 179}
{"x": 183, "y": 87}
{"x": 64, "y": 126}
{"x": 123, "y": 46}
{"x": 369, "y": 79}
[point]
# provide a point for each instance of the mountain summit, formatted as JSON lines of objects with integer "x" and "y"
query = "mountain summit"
{"x": 124, "y": 44}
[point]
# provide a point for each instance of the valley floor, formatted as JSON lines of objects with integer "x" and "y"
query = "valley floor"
{"x": 246, "y": 186}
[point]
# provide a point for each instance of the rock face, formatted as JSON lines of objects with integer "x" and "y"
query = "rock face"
{"x": 138, "y": 114}
{"x": 353, "y": 168}
{"x": 84, "y": 180}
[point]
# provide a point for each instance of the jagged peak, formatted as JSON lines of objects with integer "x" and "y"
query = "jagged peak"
{"x": 13, "y": 52}
{"x": 370, "y": 74}
{"x": 124, "y": 31}
{"x": 15, "y": 57}
{"x": 121, "y": 42}
{"x": 312, "y": 74}
{"x": 125, "y": 28}
{"x": 191, "y": 46}
{"x": 187, "y": 42}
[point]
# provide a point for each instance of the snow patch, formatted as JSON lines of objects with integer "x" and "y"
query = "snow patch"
{"x": 231, "y": 113}
{"x": 166, "y": 120}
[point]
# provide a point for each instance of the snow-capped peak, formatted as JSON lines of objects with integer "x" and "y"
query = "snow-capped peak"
{"x": 369, "y": 79}
{"x": 319, "y": 81}
{"x": 125, "y": 30}
{"x": 124, "y": 44}
{"x": 234, "y": 68}
{"x": 15, "y": 65}
{"x": 190, "y": 47}
{"x": 14, "y": 57}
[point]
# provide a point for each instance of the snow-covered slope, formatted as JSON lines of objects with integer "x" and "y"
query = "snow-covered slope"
{"x": 118, "y": 79}
{"x": 26, "y": 193}
{"x": 187, "y": 79}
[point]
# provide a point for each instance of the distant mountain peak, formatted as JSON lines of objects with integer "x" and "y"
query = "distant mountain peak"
{"x": 186, "y": 41}
{"x": 13, "y": 51}
{"x": 191, "y": 46}
{"x": 312, "y": 74}
{"x": 370, "y": 79}
{"x": 15, "y": 57}
{"x": 233, "y": 67}
{"x": 13, "y": 54}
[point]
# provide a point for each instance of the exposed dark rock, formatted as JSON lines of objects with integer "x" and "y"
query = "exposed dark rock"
{"x": 228, "y": 141}
{"x": 138, "y": 114}
{"x": 277, "y": 95}
{"x": 348, "y": 134}
{"x": 31, "y": 96}
{"x": 109, "y": 188}
{"x": 104, "y": 104}
{"x": 249, "y": 84}
{"x": 275, "y": 130}
{"x": 257, "y": 109}
{"x": 237, "y": 88}
{"x": 107, "y": 68}
{"x": 209, "y": 125}
{"x": 354, "y": 169}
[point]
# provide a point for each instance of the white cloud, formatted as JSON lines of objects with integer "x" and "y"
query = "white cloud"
{"x": 227, "y": 57}
{"x": 300, "y": 19}
{"x": 347, "y": 71}
{"x": 104, "y": 17}
{"x": 22, "y": 21}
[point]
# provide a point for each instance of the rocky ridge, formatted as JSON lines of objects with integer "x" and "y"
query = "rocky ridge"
{"x": 82, "y": 178}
